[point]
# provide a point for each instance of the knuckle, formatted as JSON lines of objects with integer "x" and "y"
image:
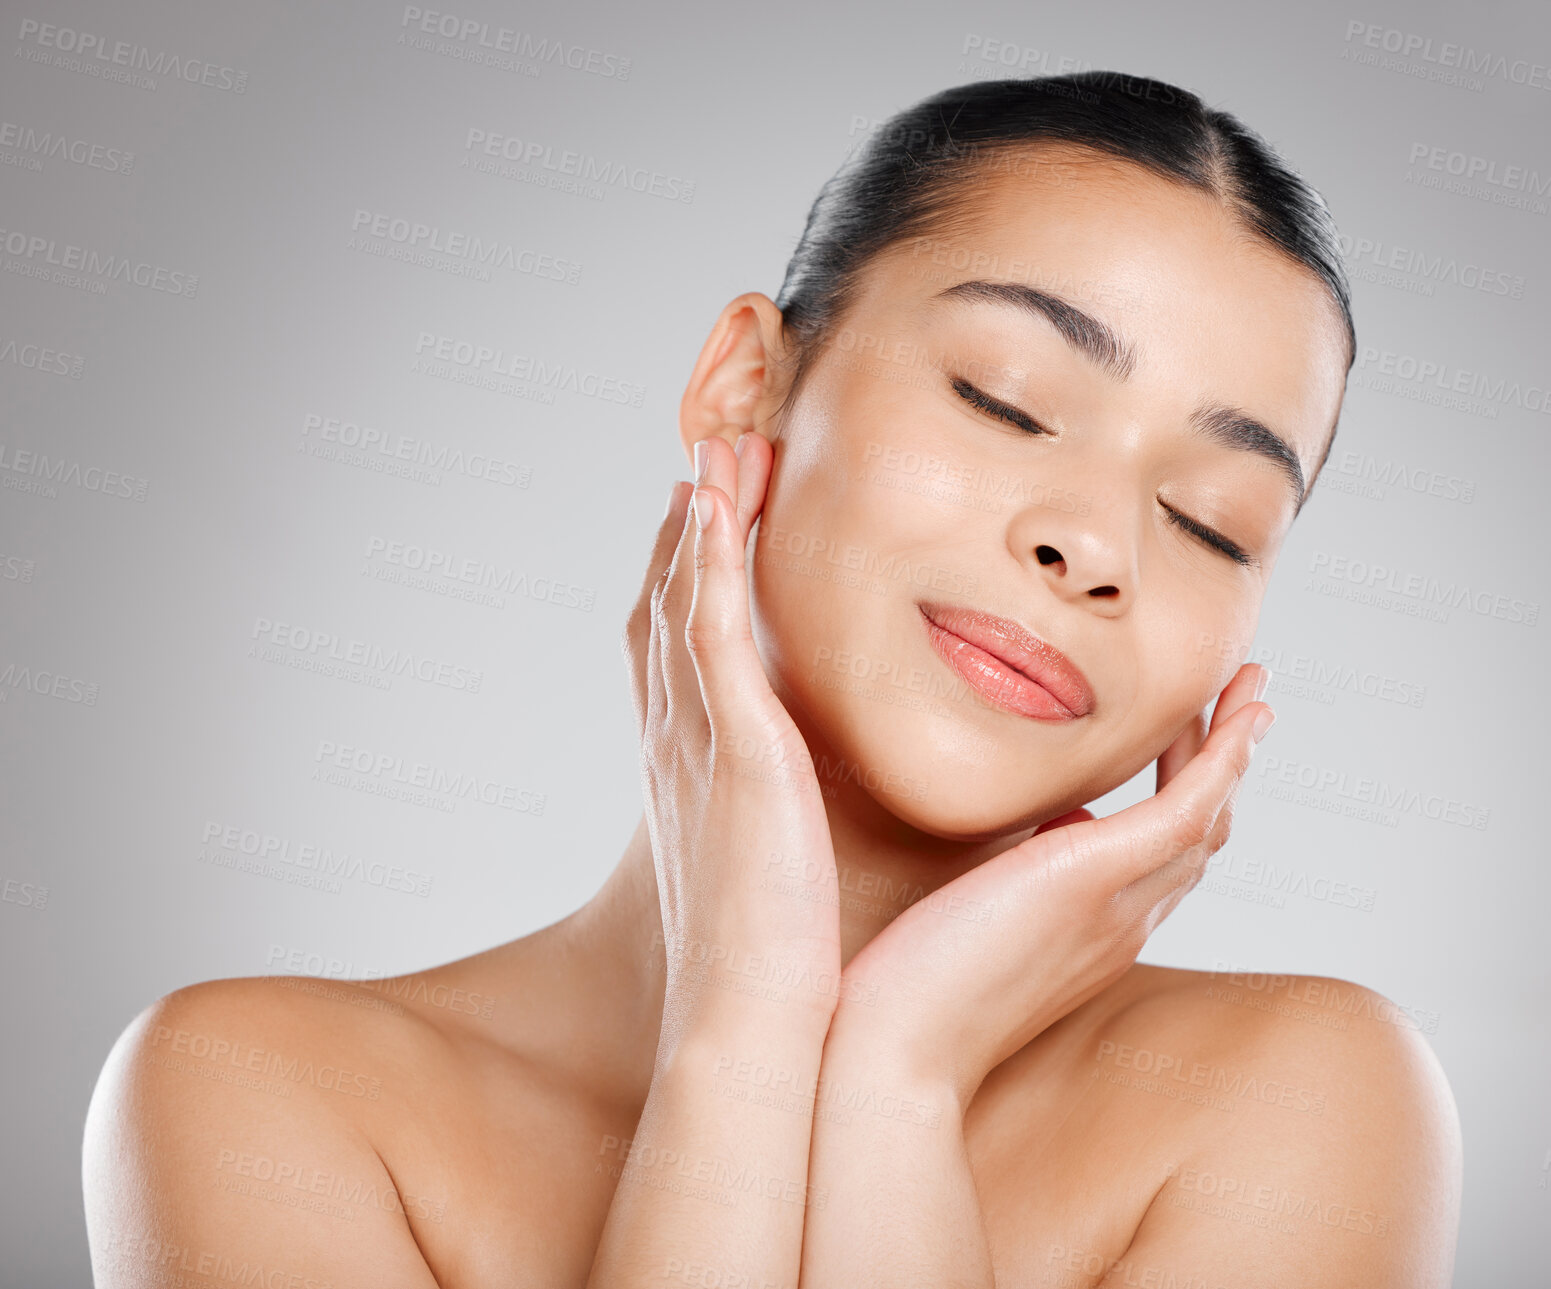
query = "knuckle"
{"x": 1191, "y": 825}
{"x": 701, "y": 635}
{"x": 1138, "y": 932}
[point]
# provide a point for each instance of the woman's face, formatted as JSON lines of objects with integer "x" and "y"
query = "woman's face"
{"x": 892, "y": 489}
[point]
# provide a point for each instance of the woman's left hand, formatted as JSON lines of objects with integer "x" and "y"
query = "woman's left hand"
{"x": 1069, "y": 909}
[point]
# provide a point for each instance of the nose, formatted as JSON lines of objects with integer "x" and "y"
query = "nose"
{"x": 1083, "y": 557}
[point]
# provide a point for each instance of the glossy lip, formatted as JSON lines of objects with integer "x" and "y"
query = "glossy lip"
{"x": 1020, "y": 651}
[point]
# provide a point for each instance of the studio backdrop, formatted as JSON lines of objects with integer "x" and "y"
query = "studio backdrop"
{"x": 341, "y": 350}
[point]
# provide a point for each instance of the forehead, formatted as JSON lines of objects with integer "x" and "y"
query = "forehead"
{"x": 1214, "y": 312}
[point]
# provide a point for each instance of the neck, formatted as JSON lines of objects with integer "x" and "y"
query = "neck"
{"x": 610, "y": 959}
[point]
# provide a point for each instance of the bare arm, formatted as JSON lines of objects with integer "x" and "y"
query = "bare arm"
{"x": 193, "y": 1093}
{"x": 716, "y": 1176}
{"x": 1065, "y": 914}
{"x": 1351, "y": 1175}
{"x": 890, "y": 1156}
{"x": 715, "y": 1183}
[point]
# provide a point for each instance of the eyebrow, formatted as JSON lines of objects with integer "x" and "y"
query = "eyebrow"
{"x": 1116, "y": 356}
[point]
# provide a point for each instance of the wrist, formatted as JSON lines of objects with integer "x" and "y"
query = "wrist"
{"x": 865, "y": 1046}
{"x": 709, "y": 1035}
{"x": 867, "y": 1090}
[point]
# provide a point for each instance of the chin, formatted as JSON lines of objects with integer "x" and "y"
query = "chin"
{"x": 945, "y": 765}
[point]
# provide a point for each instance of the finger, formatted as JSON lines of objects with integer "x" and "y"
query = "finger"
{"x": 673, "y": 674}
{"x": 718, "y": 634}
{"x": 1178, "y": 753}
{"x": 657, "y": 708}
{"x": 1188, "y": 821}
{"x": 1248, "y": 683}
{"x": 1247, "y": 686}
{"x": 756, "y": 459}
{"x": 714, "y": 464}
{"x": 636, "y": 638}
{"x": 1061, "y": 821}
{"x": 1148, "y": 835}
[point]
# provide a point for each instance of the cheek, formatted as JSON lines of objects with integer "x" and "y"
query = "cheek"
{"x": 821, "y": 568}
{"x": 1193, "y": 652}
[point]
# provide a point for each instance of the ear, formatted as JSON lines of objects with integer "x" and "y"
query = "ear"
{"x": 740, "y": 376}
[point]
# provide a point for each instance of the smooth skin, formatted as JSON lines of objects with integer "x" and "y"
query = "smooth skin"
{"x": 859, "y": 1005}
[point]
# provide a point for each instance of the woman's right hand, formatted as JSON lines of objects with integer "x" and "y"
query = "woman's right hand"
{"x": 732, "y": 801}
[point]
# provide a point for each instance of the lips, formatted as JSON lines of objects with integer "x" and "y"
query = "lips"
{"x": 1018, "y": 649}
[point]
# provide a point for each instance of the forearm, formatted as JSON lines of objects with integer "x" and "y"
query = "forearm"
{"x": 716, "y": 1176}
{"x": 889, "y": 1155}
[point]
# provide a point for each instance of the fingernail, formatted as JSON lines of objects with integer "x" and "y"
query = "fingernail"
{"x": 673, "y": 494}
{"x": 705, "y": 508}
{"x": 1264, "y": 721}
{"x": 1263, "y": 683}
{"x": 737, "y": 448}
{"x": 702, "y": 456}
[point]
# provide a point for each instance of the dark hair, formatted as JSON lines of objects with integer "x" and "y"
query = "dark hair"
{"x": 915, "y": 174}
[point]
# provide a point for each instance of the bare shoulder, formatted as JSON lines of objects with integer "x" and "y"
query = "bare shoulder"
{"x": 1323, "y": 1140}
{"x": 215, "y": 1076}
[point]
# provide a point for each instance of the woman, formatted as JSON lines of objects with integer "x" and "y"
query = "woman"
{"x": 1053, "y": 369}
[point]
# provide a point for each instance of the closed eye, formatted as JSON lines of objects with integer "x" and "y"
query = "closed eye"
{"x": 1212, "y": 538}
{"x": 1004, "y": 412}
{"x": 995, "y": 407}
{"x": 1024, "y": 421}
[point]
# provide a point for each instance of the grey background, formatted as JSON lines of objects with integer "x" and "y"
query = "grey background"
{"x": 166, "y": 722}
